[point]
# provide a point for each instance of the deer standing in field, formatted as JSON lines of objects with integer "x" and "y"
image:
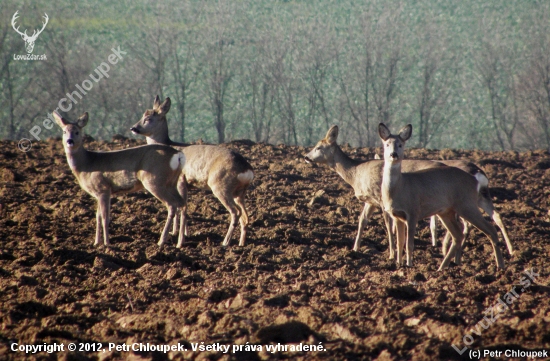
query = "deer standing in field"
{"x": 223, "y": 171}
{"x": 484, "y": 203}
{"x": 364, "y": 176}
{"x": 447, "y": 192}
{"x": 103, "y": 174}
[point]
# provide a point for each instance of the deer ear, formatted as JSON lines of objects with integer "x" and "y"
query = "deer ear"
{"x": 59, "y": 119}
{"x": 405, "y": 132}
{"x": 165, "y": 106}
{"x": 383, "y": 131}
{"x": 156, "y": 103}
{"x": 83, "y": 120}
{"x": 332, "y": 134}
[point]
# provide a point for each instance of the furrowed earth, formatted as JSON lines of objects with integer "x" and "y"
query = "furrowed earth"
{"x": 295, "y": 281}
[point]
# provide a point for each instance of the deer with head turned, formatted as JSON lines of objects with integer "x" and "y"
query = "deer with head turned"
{"x": 364, "y": 176}
{"x": 447, "y": 192}
{"x": 223, "y": 171}
{"x": 104, "y": 174}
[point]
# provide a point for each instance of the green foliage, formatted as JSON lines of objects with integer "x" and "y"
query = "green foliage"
{"x": 278, "y": 71}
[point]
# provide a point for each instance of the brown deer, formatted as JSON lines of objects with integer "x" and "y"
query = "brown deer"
{"x": 484, "y": 203}
{"x": 364, "y": 176}
{"x": 447, "y": 192}
{"x": 103, "y": 174}
{"x": 223, "y": 171}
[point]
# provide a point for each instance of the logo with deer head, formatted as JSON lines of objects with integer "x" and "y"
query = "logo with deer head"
{"x": 29, "y": 40}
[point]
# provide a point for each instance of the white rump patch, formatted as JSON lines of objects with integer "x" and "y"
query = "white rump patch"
{"x": 482, "y": 181}
{"x": 246, "y": 177}
{"x": 177, "y": 161}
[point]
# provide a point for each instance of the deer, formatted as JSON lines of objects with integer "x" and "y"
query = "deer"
{"x": 208, "y": 167}
{"x": 29, "y": 40}
{"x": 447, "y": 192}
{"x": 484, "y": 203}
{"x": 365, "y": 177}
{"x": 104, "y": 174}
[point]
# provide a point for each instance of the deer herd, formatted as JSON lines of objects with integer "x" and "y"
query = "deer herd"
{"x": 406, "y": 191}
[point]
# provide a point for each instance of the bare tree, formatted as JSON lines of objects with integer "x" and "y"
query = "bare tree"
{"x": 437, "y": 71}
{"x": 534, "y": 85}
{"x": 286, "y": 84}
{"x": 370, "y": 71}
{"x": 495, "y": 64}
{"x": 256, "y": 78}
{"x": 185, "y": 66}
{"x": 315, "y": 57}
{"x": 219, "y": 41}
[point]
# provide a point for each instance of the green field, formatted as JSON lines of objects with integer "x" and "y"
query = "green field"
{"x": 466, "y": 74}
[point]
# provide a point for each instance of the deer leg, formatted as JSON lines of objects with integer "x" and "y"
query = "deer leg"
{"x": 183, "y": 224}
{"x": 498, "y": 221}
{"x": 401, "y": 237}
{"x": 182, "y": 190}
{"x": 411, "y": 230}
{"x": 475, "y": 217}
{"x": 487, "y": 205}
{"x": 363, "y": 219}
{"x": 166, "y": 231}
{"x": 453, "y": 227}
{"x": 176, "y": 225}
{"x": 389, "y": 222}
{"x": 99, "y": 224}
{"x": 243, "y": 219}
{"x": 433, "y": 230}
{"x": 465, "y": 233}
{"x": 229, "y": 203}
{"x": 105, "y": 207}
{"x": 446, "y": 241}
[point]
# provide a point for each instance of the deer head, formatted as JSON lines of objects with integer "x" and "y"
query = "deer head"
{"x": 153, "y": 121}
{"x": 29, "y": 40}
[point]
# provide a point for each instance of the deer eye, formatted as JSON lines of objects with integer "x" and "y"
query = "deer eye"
{"x": 76, "y": 133}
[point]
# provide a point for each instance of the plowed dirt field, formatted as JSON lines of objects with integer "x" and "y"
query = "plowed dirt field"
{"x": 295, "y": 281}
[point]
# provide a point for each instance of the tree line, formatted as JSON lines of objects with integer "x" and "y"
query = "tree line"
{"x": 465, "y": 74}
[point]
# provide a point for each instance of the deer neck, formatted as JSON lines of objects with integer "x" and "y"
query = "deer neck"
{"x": 344, "y": 166}
{"x": 160, "y": 136}
{"x": 391, "y": 182}
{"x": 77, "y": 159}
